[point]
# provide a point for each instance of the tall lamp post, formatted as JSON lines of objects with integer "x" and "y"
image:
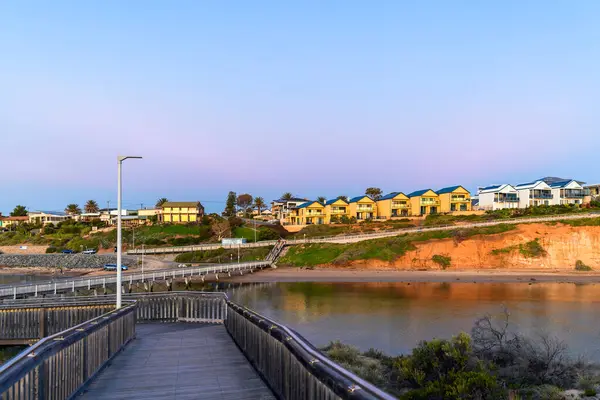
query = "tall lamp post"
{"x": 119, "y": 285}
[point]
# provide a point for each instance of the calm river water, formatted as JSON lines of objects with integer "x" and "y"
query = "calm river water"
{"x": 394, "y": 317}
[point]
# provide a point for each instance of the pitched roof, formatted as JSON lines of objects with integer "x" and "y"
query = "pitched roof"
{"x": 294, "y": 199}
{"x": 553, "y": 179}
{"x": 563, "y": 183}
{"x": 390, "y": 196}
{"x": 9, "y": 218}
{"x": 491, "y": 187}
{"x": 358, "y": 198}
{"x": 328, "y": 202}
{"x": 182, "y": 204}
{"x": 449, "y": 189}
{"x": 419, "y": 193}
{"x": 309, "y": 203}
{"x": 57, "y": 213}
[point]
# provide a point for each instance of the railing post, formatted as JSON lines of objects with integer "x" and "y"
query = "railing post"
{"x": 42, "y": 325}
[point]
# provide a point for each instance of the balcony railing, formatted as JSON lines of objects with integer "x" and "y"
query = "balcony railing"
{"x": 460, "y": 199}
{"x": 573, "y": 195}
{"x": 315, "y": 214}
{"x": 541, "y": 196}
{"x": 364, "y": 209}
{"x": 506, "y": 199}
{"x": 334, "y": 211}
{"x": 400, "y": 205}
{"x": 430, "y": 202}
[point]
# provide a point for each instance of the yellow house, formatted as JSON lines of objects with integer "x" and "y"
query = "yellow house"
{"x": 181, "y": 212}
{"x": 336, "y": 209}
{"x": 362, "y": 208}
{"x": 454, "y": 198}
{"x": 424, "y": 202}
{"x": 309, "y": 213}
{"x": 395, "y": 204}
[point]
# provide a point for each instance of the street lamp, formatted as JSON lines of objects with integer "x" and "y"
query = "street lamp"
{"x": 119, "y": 285}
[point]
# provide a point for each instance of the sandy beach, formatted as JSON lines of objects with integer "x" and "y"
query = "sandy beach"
{"x": 289, "y": 274}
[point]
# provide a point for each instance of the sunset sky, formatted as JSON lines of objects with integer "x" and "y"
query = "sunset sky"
{"x": 311, "y": 97}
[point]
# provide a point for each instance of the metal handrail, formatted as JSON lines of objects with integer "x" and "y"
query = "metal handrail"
{"x": 337, "y": 379}
{"x": 103, "y": 280}
{"x": 25, "y": 376}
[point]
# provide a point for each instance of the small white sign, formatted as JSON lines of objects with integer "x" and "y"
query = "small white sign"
{"x": 23, "y": 247}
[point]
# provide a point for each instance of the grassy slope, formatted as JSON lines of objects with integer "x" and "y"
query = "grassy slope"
{"x": 386, "y": 249}
{"x": 223, "y": 255}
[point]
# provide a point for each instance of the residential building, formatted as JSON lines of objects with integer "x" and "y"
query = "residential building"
{"x": 362, "y": 208}
{"x": 392, "y": 205}
{"x": 181, "y": 212}
{"x": 87, "y": 217}
{"x": 424, "y": 202}
{"x": 48, "y": 217}
{"x": 454, "y": 198}
{"x": 147, "y": 214}
{"x": 567, "y": 191}
{"x": 336, "y": 209}
{"x": 498, "y": 197}
{"x": 308, "y": 213}
{"x": 6, "y": 223}
{"x": 593, "y": 190}
{"x": 281, "y": 208}
{"x": 537, "y": 193}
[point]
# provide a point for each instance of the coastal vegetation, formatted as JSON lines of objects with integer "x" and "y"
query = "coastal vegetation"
{"x": 385, "y": 249}
{"x": 443, "y": 261}
{"x": 530, "y": 249}
{"x": 74, "y": 235}
{"x": 581, "y": 266}
{"x": 493, "y": 362}
{"x": 224, "y": 255}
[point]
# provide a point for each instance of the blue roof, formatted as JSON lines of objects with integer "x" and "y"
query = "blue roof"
{"x": 328, "y": 202}
{"x": 390, "y": 196}
{"x": 419, "y": 193}
{"x": 528, "y": 183}
{"x": 357, "y": 198}
{"x": 308, "y": 203}
{"x": 491, "y": 187}
{"x": 448, "y": 189}
{"x": 59, "y": 213}
{"x": 559, "y": 184}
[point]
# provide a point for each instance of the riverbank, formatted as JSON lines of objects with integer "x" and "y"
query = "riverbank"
{"x": 292, "y": 274}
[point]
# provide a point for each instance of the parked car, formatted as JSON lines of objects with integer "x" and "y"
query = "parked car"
{"x": 113, "y": 267}
{"x": 68, "y": 251}
{"x": 89, "y": 251}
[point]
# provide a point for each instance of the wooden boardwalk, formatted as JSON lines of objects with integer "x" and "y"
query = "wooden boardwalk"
{"x": 179, "y": 361}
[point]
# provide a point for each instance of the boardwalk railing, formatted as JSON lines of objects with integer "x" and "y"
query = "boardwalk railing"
{"x": 359, "y": 237}
{"x": 71, "y": 284}
{"x": 59, "y": 366}
{"x": 27, "y": 323}
{"x": 293, "y": 368}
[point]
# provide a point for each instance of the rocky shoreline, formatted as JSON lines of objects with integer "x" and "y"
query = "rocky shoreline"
{"x": 66, "y": 261}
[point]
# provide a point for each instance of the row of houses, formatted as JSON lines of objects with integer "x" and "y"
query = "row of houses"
{"x": 295, "y": 211}
{"x": 451, "y": 200}
{"x": 546, "y": 191}
{"x": 169, "y": 212}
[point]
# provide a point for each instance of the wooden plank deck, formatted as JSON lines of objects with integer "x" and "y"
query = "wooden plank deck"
{"x": 179, "y": 361}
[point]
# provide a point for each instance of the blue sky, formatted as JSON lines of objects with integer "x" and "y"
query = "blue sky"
{"x": 312, "y": 97}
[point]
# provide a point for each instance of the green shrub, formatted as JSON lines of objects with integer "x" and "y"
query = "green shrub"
{"x": 51, "y": 249}
{"x": 442, "y": 261}
{"x": 265, "y": 233}
{"x": 504, "y": 250}
{"x": 532, "y": 249}
{"x": 589, "y": 392}
{"x": 447, "y": 369}
{"x": 580, "y": 266}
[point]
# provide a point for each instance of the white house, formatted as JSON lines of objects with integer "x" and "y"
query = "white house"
{"x": 48, "y": 217}
{"x": 537, "y": 193}
{"x": 281, "y": 208}
{"x": 567, "y": 191}
{"x": 498, "y": 197}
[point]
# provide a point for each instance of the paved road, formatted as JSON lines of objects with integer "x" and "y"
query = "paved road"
{"x": 179, "y": 361}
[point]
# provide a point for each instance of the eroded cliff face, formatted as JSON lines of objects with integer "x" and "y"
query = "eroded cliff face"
{"x": 564, "y": 246}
